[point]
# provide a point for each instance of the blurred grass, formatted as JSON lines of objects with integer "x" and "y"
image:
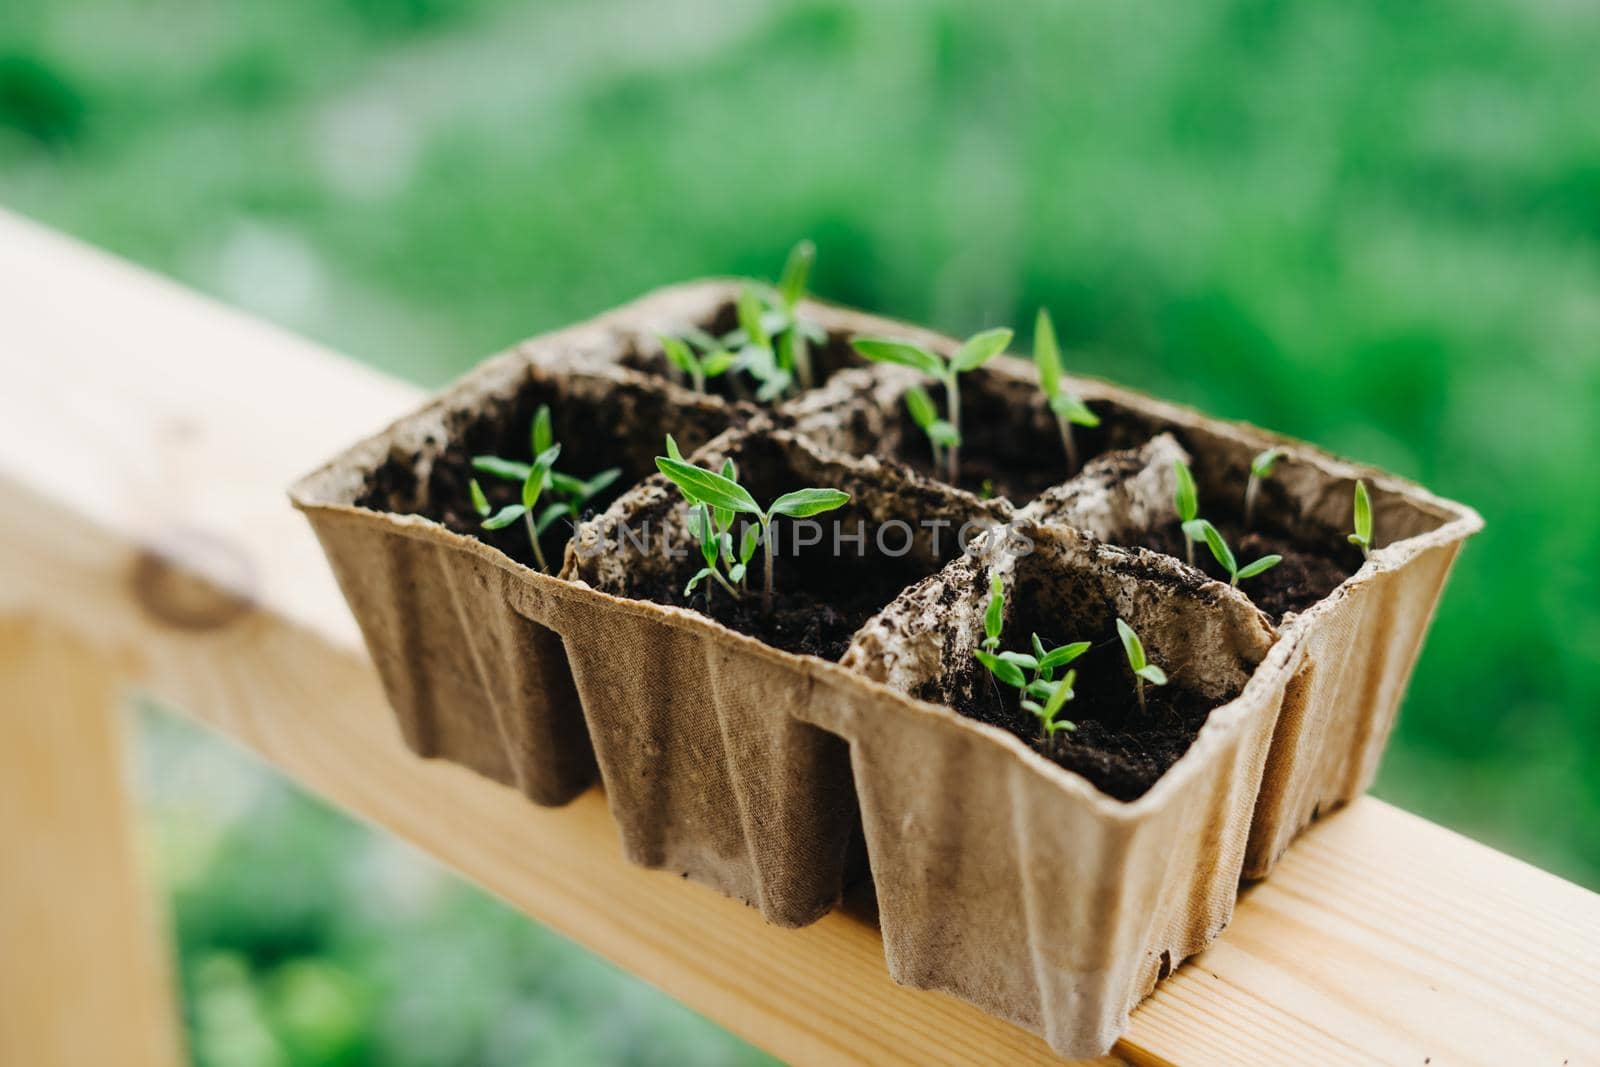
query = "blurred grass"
{"x": 1374, "y": 226}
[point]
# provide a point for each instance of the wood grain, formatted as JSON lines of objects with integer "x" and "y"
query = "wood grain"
{"x": 83, "y": 973}
{"x": 1381, "y": 938}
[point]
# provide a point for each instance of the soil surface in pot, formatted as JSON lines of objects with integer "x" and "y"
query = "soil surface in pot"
{"x": 1015, "y": 452}
{"x": 618, "y": 426}
{"x": 1118, "y": 747}
{"x": 821, "y": 600}
{"x": 1312, "y": 567}
{"x": 450, "y": 501}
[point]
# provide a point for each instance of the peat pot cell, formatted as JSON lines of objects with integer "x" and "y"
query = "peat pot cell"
{"x": 824, "y": 349}
{"x": 1067, "y": 589}
{"x": 831, "y": 572}
{"x": 1302, "y": 512}
{"x": 1011, "y": 446}
{"x": 606, "y": 420}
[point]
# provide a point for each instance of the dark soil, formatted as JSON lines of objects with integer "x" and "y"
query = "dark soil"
{"x": 1120, "y": 749}
{"x": 450, "y": 503}
{"x": 821, "y": 599}
{"x": 621, "y": 430}
{"x": 1015, "y": 451}
{"x": 1306, "y": 575}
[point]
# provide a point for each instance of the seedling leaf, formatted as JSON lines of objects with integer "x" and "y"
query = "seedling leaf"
{"x": 678, "y": 354}
{"x": 1073, "y": 410}
{"x": 887, "y": 350}
{"x": 1202, "y": 530}
{"x": 1004, "y": 670}
{"x": 979, "y": 349}
{"x": 1262, "y": 465}
{"x": 480, "y": 503}
{"x": 920, "y": 404}
{"x": 543, "y": 435}
{"x": 1186, "y": 498}
{"x": 1021, "y": 659}
{"x": 495, "y": 467}
{"x": 1362, "y": 519}
{"x": 549, "y": 516}
{"x": 750, "y": 319}
{"x": 504, "y": 517}
{"x": 804, "y": 503}
{"x": 601, "y": 482}
{"x": 1265, "y": 563}
{"x": 1152, "y": 674}
{"x": 796, "y": 270}
{"x": 1047, "y": 354}
{"x": 1060, "y": 657}
{"x": 703, "y": 486}
{"x": 943, "y": 434}
{"x": 994, "y": 614}
{"x": 1132, "y": 646}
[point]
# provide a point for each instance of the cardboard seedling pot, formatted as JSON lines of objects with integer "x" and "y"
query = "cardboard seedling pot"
{"x": 1002, "y": 877}
{"x": 1360, "y": 639}
{"x": 473, "y": 677}
{"x": 708, "y": 761}
{"x": 1016, "y": 884}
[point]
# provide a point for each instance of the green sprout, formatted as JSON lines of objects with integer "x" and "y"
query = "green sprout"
{"x": 994, "y": 615}
{"x": 716, "y": 360}
{"x": 712, "y": 529}
{"x": 1143, "y": 670}
{"x": 772, "y": 341}
{"x": 974, "y": 352}
{"x": 1200, "y": 530}
{"x": 1186, "y": 498}
{"x": 719, "y": 492}
{"x": 1362, "y": 517}
{"x": 1060, "y": 692}
{"x": 532, "y": 487}
{"x": 941, "y": 435}
{"x": 572, "y": 494}
{"x": 791, "y": 290}
{"x": 1260, "y": 471}
{"x": 1043, "y": 695}
{"x": 757, "y": 356}
{"x": 1067, "y": 407}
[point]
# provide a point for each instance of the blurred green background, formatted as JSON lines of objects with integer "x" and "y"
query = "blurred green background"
{"x": 1372, "y": 225}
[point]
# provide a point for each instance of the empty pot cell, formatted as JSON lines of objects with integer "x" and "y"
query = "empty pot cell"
{"x": 1011, "y": 445}
{"x": 831, "y": 572}
{"x": 1065, "y": 589}
{"x": 605, "y": 420}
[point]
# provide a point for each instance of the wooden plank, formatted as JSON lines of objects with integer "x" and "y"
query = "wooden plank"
{"x": 1381, "y": 937}
{"x": 83, "y": 972}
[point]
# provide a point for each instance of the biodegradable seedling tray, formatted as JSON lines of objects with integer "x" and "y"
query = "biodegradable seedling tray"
{"x": 749, "y": 760}
{"x": 1003, "y": 877}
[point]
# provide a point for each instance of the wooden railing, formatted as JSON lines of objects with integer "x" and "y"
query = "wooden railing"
{"x": 146, "y": 439}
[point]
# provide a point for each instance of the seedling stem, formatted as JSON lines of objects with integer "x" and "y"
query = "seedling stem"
{"x": 974, "y": 352}
{"x": 1260, "y": 471}
{"x": 1067, "y": 407}
{"x": 1143, "y": 670}
{"x": 721, "y": 492}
